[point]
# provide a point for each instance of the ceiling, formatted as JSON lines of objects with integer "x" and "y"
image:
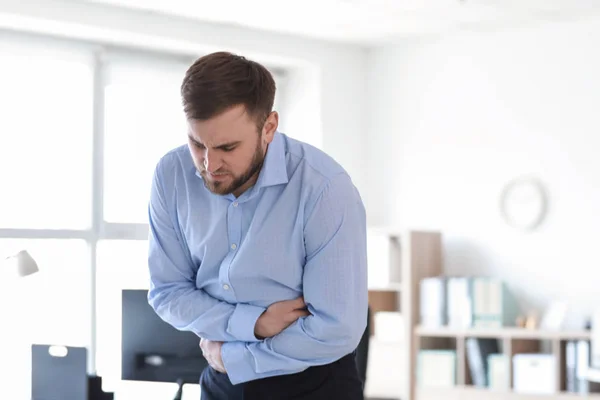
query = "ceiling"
{"x": 368, "y": 22}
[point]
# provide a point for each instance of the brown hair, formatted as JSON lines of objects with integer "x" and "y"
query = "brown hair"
{"x": 221, "y": 80}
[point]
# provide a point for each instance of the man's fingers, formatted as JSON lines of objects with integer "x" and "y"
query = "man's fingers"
{"x": 294, "y": 315}
{"x": 297, "y": 303}
{"x": 219, "y": 369}
{"x": 302, "y": 313}
{"x": 210, "y": 353}
{"x": 215, "y": 365}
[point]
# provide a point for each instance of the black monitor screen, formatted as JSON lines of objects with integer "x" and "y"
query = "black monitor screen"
{"x": 153, "y": 350}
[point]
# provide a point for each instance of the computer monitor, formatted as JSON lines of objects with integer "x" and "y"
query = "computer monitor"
{"x": 152, "y": 350}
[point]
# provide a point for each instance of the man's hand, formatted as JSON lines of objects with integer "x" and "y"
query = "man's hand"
{"x": 212, "y": 353}
{"x": 279, "y": 316}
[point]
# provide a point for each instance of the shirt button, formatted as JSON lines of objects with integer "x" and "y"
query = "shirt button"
{"x": 226, "y": 286}
{"x": 233, "y": 246}
{"x": 235, "y": 203}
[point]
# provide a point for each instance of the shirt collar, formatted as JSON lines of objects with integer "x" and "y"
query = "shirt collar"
{"x": 274, "y": 169}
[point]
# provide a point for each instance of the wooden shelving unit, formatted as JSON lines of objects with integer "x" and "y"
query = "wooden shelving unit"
{"x": 420, "y": 257}
{"x": 514, "y": 341}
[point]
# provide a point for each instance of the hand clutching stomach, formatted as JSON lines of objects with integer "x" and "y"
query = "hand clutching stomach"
{"x": 276, "y": 318}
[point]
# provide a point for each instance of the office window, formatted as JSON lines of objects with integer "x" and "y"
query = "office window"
{"x": 45, "y": 136}
{"x": 143, "y": 120}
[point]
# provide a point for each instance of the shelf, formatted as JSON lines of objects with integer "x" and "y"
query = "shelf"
{"x": 473, "y": 393}
{"x": 502, "y": 333}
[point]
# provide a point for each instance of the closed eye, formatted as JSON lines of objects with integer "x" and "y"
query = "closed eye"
{"x": 228, "y": 146}
{"x": 196, "y": 143}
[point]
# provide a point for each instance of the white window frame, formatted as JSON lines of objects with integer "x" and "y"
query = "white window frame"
{"x": 100, "y": 229}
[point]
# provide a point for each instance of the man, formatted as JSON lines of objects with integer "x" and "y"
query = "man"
{"x": 257, "y": 245}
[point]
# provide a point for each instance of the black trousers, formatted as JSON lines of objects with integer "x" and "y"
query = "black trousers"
{"x": 338, "y": 380}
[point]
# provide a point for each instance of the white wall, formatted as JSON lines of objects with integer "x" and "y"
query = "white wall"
{"x": 453, "y": 119}
{"x": 326, "y": 83}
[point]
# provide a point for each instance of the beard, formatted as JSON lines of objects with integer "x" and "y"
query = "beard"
{"x": 221, "y": 188}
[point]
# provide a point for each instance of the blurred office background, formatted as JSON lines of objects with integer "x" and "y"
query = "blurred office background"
{"x": 434, "y": 107}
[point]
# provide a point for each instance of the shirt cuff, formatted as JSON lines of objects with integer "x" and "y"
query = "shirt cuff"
{"x": 242, "y": 322}
{"x": 236, "y": 359}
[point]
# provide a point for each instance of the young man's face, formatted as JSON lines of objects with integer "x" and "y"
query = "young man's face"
{"x": 228, "y": 150}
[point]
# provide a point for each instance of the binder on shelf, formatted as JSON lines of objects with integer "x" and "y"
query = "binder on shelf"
{"x": 459, "y": 302}
{"x": 478, "y": 351}
{"x": 433, "y": 301}
{"x": 498, "y": 372}
{"x": 571, "y": 381}
{"x": 494, "y": 306}
{"x": 582, "y": 364}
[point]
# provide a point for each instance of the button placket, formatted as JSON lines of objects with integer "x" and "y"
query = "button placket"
{"x": 233, "y": 229}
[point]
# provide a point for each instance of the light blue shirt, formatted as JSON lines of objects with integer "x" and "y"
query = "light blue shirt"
{"x": 217, "y": 262}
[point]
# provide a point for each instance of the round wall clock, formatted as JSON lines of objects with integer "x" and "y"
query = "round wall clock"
{"x": 523, "y": 203}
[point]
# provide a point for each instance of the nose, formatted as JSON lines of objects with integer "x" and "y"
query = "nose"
{"x": 212, "y": 161}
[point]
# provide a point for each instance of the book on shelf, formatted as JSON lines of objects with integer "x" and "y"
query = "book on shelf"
{"x": 432, "y": 310}
{"x": 494, "y": 306}
{"x": 478, "y": 352}
{"x": 578, "y": 361}
{"x": 571, "y": 366}
{"x": 582, "y": 363}
{"x": 464, "y": 302}
{"x": 460, "y": 304}
{"x": 498, "y": 375}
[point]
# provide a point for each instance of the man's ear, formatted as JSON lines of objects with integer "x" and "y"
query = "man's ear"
{"x": 270, "y": 126}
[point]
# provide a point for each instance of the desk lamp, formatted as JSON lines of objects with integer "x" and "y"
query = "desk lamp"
{"x": 19, "y": 265}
